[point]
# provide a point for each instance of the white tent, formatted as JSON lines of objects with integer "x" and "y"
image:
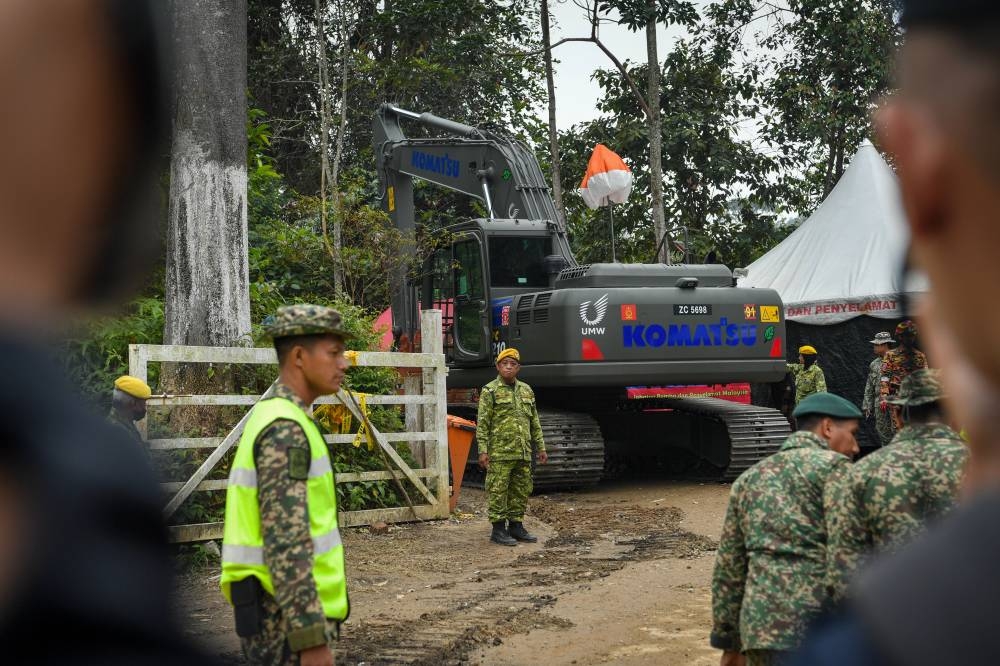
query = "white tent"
{"x": 843, "y": 262}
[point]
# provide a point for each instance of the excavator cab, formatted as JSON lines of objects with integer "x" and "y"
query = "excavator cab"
{"x": 485, "y": 261}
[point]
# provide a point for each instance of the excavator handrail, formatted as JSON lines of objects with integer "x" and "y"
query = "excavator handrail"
{"x": 431, "y": 120}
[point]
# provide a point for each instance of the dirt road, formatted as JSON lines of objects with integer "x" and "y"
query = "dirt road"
{"x": 620, "y": 576}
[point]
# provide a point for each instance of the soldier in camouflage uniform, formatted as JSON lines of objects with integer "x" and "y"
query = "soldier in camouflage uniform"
{"x": 809, "y": 377}
{"x": 771, "y": 562}
{"x": 887, "y": 498}
{"x": 128, "y": 405}
{"x": 872, "y": 403}
{"x": 897, "y": 365}
{"x": 309, "y": 340}
{"x": 507, "y": 429}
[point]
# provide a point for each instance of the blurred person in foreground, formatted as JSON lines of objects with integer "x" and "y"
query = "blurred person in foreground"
{"x": 885, "y": 500}
{"x": 768, "y": 582}
{"x": 85, "y": 570}
{"x": 935, "y": 601}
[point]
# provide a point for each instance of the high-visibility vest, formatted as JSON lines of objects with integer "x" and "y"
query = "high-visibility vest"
{"x": 243, "y": 541}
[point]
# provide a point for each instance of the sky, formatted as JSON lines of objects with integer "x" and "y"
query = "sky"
{"x": 576, "y": 94}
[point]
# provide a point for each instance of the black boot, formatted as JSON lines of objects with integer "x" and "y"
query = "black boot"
{"x": 500, "y": 535}
{"x": 518, "y": 532}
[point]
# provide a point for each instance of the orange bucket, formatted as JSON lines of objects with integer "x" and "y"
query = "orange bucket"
{"x": 460, "y": 434}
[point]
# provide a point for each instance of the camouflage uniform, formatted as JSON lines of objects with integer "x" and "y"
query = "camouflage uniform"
{"x": 895, "y": 369}
{"x": 871, "y": 403}
{"x": 292, "y": 620}
{"x": 507, "y": 428}
{"x": 887, "y": 498}
{"x": 764, "y": 657}
{"x": 807, "y": 380}
{"x": 770, "y": 565}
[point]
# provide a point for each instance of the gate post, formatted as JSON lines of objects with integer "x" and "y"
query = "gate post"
{"x": 436, "y": 414}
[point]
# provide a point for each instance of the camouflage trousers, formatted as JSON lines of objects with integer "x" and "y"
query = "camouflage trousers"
{"x": 270, "y": 646}
{"x": 766, "y": 657}
{"x": 883, "y": 426}
{"x": 508, "y": 485}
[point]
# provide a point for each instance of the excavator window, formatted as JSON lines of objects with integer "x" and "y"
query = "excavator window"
{"x": 470, "y": 296}
{"x": 519, "y": 261}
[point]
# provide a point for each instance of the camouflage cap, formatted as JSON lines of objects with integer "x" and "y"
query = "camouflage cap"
{"x": 882, "y": 338}
{"x": 827, "y": 404}
{"x": 920, "y": 388}
{"x": 305, "y": 319}
{"x": 907, "y": 327}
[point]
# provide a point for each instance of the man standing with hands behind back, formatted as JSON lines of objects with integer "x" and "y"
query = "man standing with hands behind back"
{"x": 507, "y": 429}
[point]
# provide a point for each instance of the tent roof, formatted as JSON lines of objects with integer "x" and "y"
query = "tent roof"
{"x": 843, "y": 261}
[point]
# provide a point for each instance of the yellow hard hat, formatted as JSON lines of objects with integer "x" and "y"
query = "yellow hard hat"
{"x": 807, "y": 349}
{"x": 134, "y": 386}
{"x": 510, "y": 352}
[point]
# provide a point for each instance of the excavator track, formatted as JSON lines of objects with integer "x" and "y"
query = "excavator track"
{"x": 575, "y": 447}
{"x": 754, "y": 432}
{"x": 576, "y": 453}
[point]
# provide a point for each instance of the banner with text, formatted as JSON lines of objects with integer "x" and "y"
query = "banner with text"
{"x": 732, "y": 392}
{"x": 834, "y": 312}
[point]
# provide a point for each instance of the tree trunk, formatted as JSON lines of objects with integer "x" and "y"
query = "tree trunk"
{"x": 828, "y": 176}
{"x": 557, "y": 192}
{"x": 327, "y": 181}
{"x": 655, "y": 133}
{"x": 207, "y": 298}
{"x": 344, "y": 29}
{"x": 839, "y": 169}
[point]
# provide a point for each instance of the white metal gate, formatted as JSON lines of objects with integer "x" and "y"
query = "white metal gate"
{"x": 428, "y": 406}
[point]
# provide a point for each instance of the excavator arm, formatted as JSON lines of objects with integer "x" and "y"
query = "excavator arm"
{"x": 499, "y": 171}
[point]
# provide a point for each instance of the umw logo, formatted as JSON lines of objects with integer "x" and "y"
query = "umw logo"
{"x": 600, "y": 309}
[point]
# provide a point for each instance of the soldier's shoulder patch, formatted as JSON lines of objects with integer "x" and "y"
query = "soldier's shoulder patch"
{"x": 298, "y": 463}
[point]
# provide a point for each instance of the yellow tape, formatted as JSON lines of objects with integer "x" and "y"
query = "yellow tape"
{"x": 338, "y": 418}
{"x": 363, "y": 427}
{"x": 351, "y": 356}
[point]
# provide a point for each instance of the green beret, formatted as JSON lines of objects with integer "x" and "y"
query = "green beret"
{"x": 827, "y": 404}
{"x": 305, "y": 319}
{"x": 919, "y": 388}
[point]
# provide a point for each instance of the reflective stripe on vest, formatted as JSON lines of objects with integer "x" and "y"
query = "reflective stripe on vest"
{"x": 243, "y": 543}
{"x": 254, "y": 555}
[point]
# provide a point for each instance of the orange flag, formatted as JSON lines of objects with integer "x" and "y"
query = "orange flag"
{"x": 608, "y": 179}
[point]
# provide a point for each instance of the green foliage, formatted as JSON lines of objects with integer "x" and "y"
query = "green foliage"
{"x": 636, "y": 14}
{"x": 462, "y": 60}
{"x": 760, "y": 108}
{"x": 817, "y": 68}
{"x": 98, "y": 353}
{"x": 717, "y": 186}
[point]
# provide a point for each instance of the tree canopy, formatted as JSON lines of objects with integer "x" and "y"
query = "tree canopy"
{"x": 760, "y": 106}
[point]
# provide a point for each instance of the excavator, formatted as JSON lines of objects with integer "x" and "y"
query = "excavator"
{"x": 588, "y": 334}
